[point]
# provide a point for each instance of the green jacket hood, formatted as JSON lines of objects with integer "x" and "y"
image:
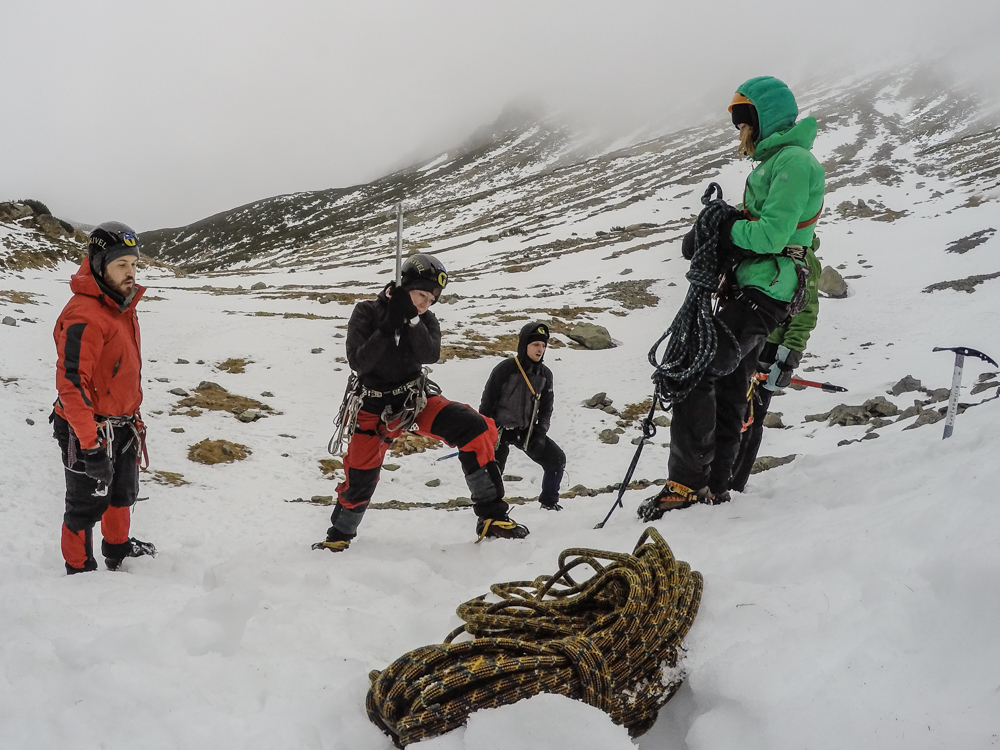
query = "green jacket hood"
{"x": 774, "y": 101}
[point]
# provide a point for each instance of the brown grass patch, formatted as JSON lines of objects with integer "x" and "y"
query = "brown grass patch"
{"x": 169, "y": 478}
{"x": 211, "y": 398}
{"x": 407, "y": 444}
{"x": 329, "y": 465}
{"x": 217, "y": 452}
{"x": 18, "y": 298}
{"x": 633, "y": 412}
{"x": 234, "y": 366}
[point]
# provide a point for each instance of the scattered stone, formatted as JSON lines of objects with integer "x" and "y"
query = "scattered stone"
{"x": 282, "y": 434}
{"x": 258, "y": 285}
{"x": 609, "y": 410}
{"x": 321, "y": 499}
{"x": 980, "y": 387}
{"x": 591, "y": 336}
{"x": 765, "y": 463}
{"x": 200, "y": 362}
{"x": 512, "y": 478}
{"x": 907, "y": 385}
{"x": 9, "y": 321}
{"x": 340, "y": 335}
{"x": 910, "y": 411}
{"x": 641, "y": 439}
{"x": 206, "y": 385}
{"x": 317, "y": 350}
{"x": 625, "y": 272}
{"x": 177, "y": 429}
{"x": 432, "y": 483}
{"x": 941, "y": 394}
{"x": 163, "y": 380}
{"x": 608, "y": 437}
{"x": 927, "y": 416}
{"x": 179, "y": 392}
{"x": 661, "y": 421}
{"x": 390, "y": 467}
{"x": 182, "y": 362}
{"x": 266, "y": 394}
{"x": 832, "y": 284}
{"x": 250, "y": 415}
{"x": 879, "y": 407}
{"x": 217, "y": 452}
{"x": 846, "y": 416}
{"x": 30, "y": 421}
{"x": 773, "y": 420}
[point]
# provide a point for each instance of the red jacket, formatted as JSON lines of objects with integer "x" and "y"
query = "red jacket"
{"x": 99, "y": 361}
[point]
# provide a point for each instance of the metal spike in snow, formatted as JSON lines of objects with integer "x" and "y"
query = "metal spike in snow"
{"x": 961, "y": 352}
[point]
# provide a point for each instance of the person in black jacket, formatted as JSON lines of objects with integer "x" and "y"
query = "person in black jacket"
{"x": 389, "y": 339}
{"x": 518, "y": 397}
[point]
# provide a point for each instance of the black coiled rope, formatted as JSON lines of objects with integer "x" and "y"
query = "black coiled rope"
{"x": 693, "y": 337}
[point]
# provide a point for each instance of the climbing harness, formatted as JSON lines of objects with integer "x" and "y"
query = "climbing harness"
{"x": 106, "y": 439}
{"x": 612, "y": 641}
{"x": 391, "y": 419}
{"x": 693, "y": 336}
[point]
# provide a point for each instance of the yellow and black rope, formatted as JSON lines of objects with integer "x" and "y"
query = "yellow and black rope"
{"x": 610, "y": 640}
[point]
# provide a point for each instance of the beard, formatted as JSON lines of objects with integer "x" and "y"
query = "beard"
{"x": 125, "y": 287}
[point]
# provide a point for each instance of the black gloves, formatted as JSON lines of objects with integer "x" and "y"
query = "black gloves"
{"x": 401, "y": 310}
{"x": 780, "y": 374}
{"x": 726, "y": 252}
{"x": 767, "y": 355}
{"x": 97, "y": 465}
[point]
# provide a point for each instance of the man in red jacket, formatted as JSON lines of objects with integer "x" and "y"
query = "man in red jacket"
{"x": 96, "y": 416}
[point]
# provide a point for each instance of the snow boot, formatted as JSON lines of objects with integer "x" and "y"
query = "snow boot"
{"x": 672, "y": 497}
{"x": 500, "y": 528}
{"x": 115, "y": 554}
{"x": 718, "y": 498}
{"x": 338, "y": 546}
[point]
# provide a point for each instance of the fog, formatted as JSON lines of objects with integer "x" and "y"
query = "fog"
{"x": 159, "y": 114}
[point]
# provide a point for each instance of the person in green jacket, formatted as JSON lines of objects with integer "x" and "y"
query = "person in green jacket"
{"x": 779, "y": 358}
{"x": 781, "y": 203}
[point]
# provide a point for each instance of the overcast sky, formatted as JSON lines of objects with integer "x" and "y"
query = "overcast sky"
{"x": 162, "y": 113}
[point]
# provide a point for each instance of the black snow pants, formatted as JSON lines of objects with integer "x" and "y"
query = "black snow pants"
{"x": 750, "y": 440}
{"x": 544, "y": 451}
{"x": 705, "y": 429}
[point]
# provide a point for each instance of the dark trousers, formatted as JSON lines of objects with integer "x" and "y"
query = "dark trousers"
{"x": 84, "y": 507}
{"x": 543, "y": 451}
{"x": 454, "y": 423}
{"x": 750, "y": 440}
{"x": 705, "y": 429}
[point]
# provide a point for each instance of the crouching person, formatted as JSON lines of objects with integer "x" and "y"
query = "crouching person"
{"x": 389, "y": 339}
{"x": 519, "y": 396}
{"x": 96, "y": 416}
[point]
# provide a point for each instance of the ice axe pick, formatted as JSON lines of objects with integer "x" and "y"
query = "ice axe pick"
{"x": 961, "y": 352}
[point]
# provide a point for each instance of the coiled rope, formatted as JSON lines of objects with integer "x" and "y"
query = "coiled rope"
{"x": 611, "y": 641}
{"x": 693, "y": 335}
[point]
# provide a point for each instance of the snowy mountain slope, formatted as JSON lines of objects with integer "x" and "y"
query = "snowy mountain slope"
{"x": 849, "y": 595}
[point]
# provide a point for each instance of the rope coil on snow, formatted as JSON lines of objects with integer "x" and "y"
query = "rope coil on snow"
{"x": 611, "y": 641}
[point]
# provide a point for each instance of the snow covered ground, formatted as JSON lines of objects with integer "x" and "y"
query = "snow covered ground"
{"x": 851, "y": 597}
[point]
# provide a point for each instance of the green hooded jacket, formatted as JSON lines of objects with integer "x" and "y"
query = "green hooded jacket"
{"x": 784, "y": 190}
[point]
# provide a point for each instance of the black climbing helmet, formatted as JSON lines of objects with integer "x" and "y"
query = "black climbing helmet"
{"x": 423, "y": 271}
{"x": 109, "y": 241}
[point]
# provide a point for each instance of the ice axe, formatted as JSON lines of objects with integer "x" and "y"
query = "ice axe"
{"x": 961, "y": 352}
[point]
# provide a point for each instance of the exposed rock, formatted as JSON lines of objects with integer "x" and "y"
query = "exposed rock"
{"x": 178, "y": 392}
{"x": 206, "y": 385}
{"x": 321, "y": 499}
{"x": 661, "y": 421}
{"x": 609, "y": 410}
{"x": 641, "y": 439}
{"x": 182, "y": 362}
{"x": 846, "y": 416}
{"x": 433, "y": 483}
{"x": 258, "y": 285}
{"x": 177, "y": 429}
{"x": 832, "y": 284}
{"x": 773, "y": 420}
{"x": 968, "y": 284}
{"x": 30, "y": 422}
{"x": 907, "y": 385}
{"x": 980, "y": 387}
{"x": 927, "y": 416}
{"x": 9, "y": 321}
{"x": 266, "y": 394}
{"x": 390, "y": 467}
{"x": 52, "y": 227}
{"x": 591, "y": 336}
{"x": 163, "y": 380}
{"x": 608, "y": 437}
{"x": 250, "y": 415}
{"x": 596, "y": 400}
{"x": 878, "y": 406}
{"x": 764, "y": 463}
{"x": 285, "y": 435}
{"x": 940, "y": 394}
{"x": 317, "y": 350}
{"x": 512, "y": 478}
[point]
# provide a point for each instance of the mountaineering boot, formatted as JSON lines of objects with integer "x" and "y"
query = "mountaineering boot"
{"x": 672, "y": 497}
{"x": 338, "y": 546}
{"x": 554, "y": 505}
{"x": 718, "y": 498}
{"x": 500, "y": 528}
{"x": 115, "y": 554}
